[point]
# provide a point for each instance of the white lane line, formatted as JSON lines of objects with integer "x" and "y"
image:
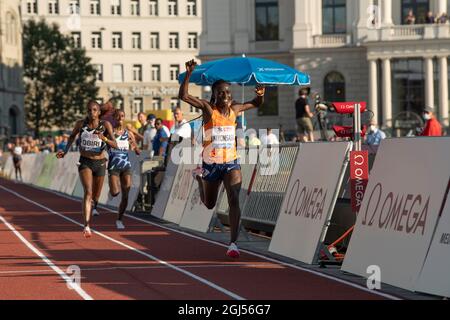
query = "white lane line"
{"x": 290, "y": 265}
{"x": 241, "y": 265}
{"x": 63, "y": 275}
{"x": 187, "y": 273}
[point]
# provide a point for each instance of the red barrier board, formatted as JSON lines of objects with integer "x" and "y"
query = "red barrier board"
{"x": 359, "y": 177}
{"x": 348, "y": 107}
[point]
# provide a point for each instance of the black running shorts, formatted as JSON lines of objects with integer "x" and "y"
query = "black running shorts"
{"x": 98, "y": 167}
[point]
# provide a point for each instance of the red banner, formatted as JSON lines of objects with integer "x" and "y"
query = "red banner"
{"x": 347, "y": 131}
{"x": 348, "y": 107}
{"x": 359, "y": 177}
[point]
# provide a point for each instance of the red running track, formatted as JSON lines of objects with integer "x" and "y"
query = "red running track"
{"x": 144, "y": 261}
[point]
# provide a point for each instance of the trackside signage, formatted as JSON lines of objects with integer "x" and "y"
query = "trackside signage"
{"x": 359, "y": 177}
{"x": 179, "y": 194}
{"x": 435, "y": 278}
{"x": 307, "y": 203}
{"x": 196, "y": 216}
{"x": 400, "y": 209}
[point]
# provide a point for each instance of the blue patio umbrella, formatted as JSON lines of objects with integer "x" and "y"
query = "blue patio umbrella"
{"x": 246, "y": 71}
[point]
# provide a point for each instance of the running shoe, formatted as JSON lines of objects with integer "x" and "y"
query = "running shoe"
{"x": 119, "y": 225}
{"x": 233, "y": 251}
{"x": 87, "y": 232}
{"x": 95, "y": 213}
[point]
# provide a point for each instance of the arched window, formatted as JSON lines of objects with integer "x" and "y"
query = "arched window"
{"x": 11, "y": 28}
{"x": 334, "y": 16}
{"x": 334, "y": 87}
{"x": 13, "y": 119}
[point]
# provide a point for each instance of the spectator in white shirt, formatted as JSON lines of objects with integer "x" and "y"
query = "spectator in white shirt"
{"x": 182, "y": 129}
{"x": 270, "y": 138}
{"x": 149, "y": 133}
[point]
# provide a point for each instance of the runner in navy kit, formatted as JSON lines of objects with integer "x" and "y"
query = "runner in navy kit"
{"x": 119, "y": 165}
{"x": 92, "y": 164}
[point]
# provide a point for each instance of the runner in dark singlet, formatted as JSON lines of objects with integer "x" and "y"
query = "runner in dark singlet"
{"x": 95, "y": 135}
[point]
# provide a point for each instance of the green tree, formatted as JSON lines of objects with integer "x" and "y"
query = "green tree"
{"x": 59, "y": 79}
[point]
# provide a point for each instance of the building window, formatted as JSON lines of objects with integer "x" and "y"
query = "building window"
{"x": 192, "y": 40}
{"x": 270, "y": 106}
{"x": 174, "y": 71}
{"x": 334, "y": 87}
{"x": 13, "y": 121}
{"x": 154, "y": 40}
{"x": 174, "y": 103}
{"x": 99, "y": 69}
{"x": 117, "y": 40}
{"x": 96, "y": 40}
{"x": 137, "y": 72}
{"x": 53, "y": 7}
{"x": 266, "y": 20}
{"x": 408, "y": 85}
{"x": 95, "y": 7}
{"x": 173, "y": 7}
{"x": 192, "y": 7}
{"x": 419, "y": 9}
{"x": 76, "y": 37}
{"x": 136, "y": 40}
{"x": 173, "y": 40}
{"x": 156, "y": 72}
{"x": 135, "y": 8}
{"x": 138, "y": 105}
{"x": 74, "y": 7}
{"x": 334, "y": 16}
{"x": 153, "y": 7}
{"x": 116, "y": 8}
{"x": 156, "y": 104}
{"x": 11, "y": 29}
{"x": 117, "y": 73}
{"x": 32, "y": 7}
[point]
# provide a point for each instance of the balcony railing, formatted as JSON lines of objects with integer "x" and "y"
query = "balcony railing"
{"x": 331, "y": 40}
{"x": 410, "y": 32}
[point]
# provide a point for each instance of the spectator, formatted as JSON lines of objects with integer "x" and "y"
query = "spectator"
{"x": 64, "y": 140}
{"x": 182, "y": 128}
{"x": 270, "y": 138}
{"x": 138, "y": 129}
{"x": 442, "y": 19}
{"x": 161, "y": 139}
{"x": 429, "y": 18}
{"x": 410, "y": 18}
{"x": 149, "y": 133}
{"x": 303, "y": 116}
{"x": 374, "y": 134}
{"x": 253, "y": 140}
{"x": 17, "y": 159}
{"x": 432, "y": 126}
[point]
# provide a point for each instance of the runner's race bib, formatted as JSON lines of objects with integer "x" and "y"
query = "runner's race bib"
{"x": 122, "y": 145}
{"x": 90, "y": 142}
{"x": 223, "y": 137}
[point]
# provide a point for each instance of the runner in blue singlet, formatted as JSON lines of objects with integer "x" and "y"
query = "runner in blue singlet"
{"x": 119, "y": 165}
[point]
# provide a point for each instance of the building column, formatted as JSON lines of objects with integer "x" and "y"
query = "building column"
{"x": 387, "y": 93}
{"x": 443, "y": 90}
{"x": 429, "y": 82}
{"x": 373, "y": 88}
{"x": 386, "y": 8}
{"x": 442, "y": 6}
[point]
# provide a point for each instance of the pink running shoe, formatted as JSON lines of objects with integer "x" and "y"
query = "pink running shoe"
{"x": 233, "y": 251}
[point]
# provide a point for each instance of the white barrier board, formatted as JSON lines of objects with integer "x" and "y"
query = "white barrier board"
{"x": 196, "y": 216}
{"x": 434, "y": 278}
{"x": 307, "y": 204}
{"x": 164, "y": 191}
{"x": 400, "y": 209}
{"x": 179, "y": 193}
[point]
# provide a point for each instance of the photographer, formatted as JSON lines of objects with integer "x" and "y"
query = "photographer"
{"x": 303, "y": 116}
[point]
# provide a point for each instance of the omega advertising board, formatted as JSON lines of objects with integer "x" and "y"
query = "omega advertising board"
{"x": 400, "y": 208}
{"x": 308, "y": 202}
{"x": 435, "y": 278}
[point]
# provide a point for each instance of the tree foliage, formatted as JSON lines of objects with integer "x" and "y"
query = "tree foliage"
{"x": 59, "y": 78}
